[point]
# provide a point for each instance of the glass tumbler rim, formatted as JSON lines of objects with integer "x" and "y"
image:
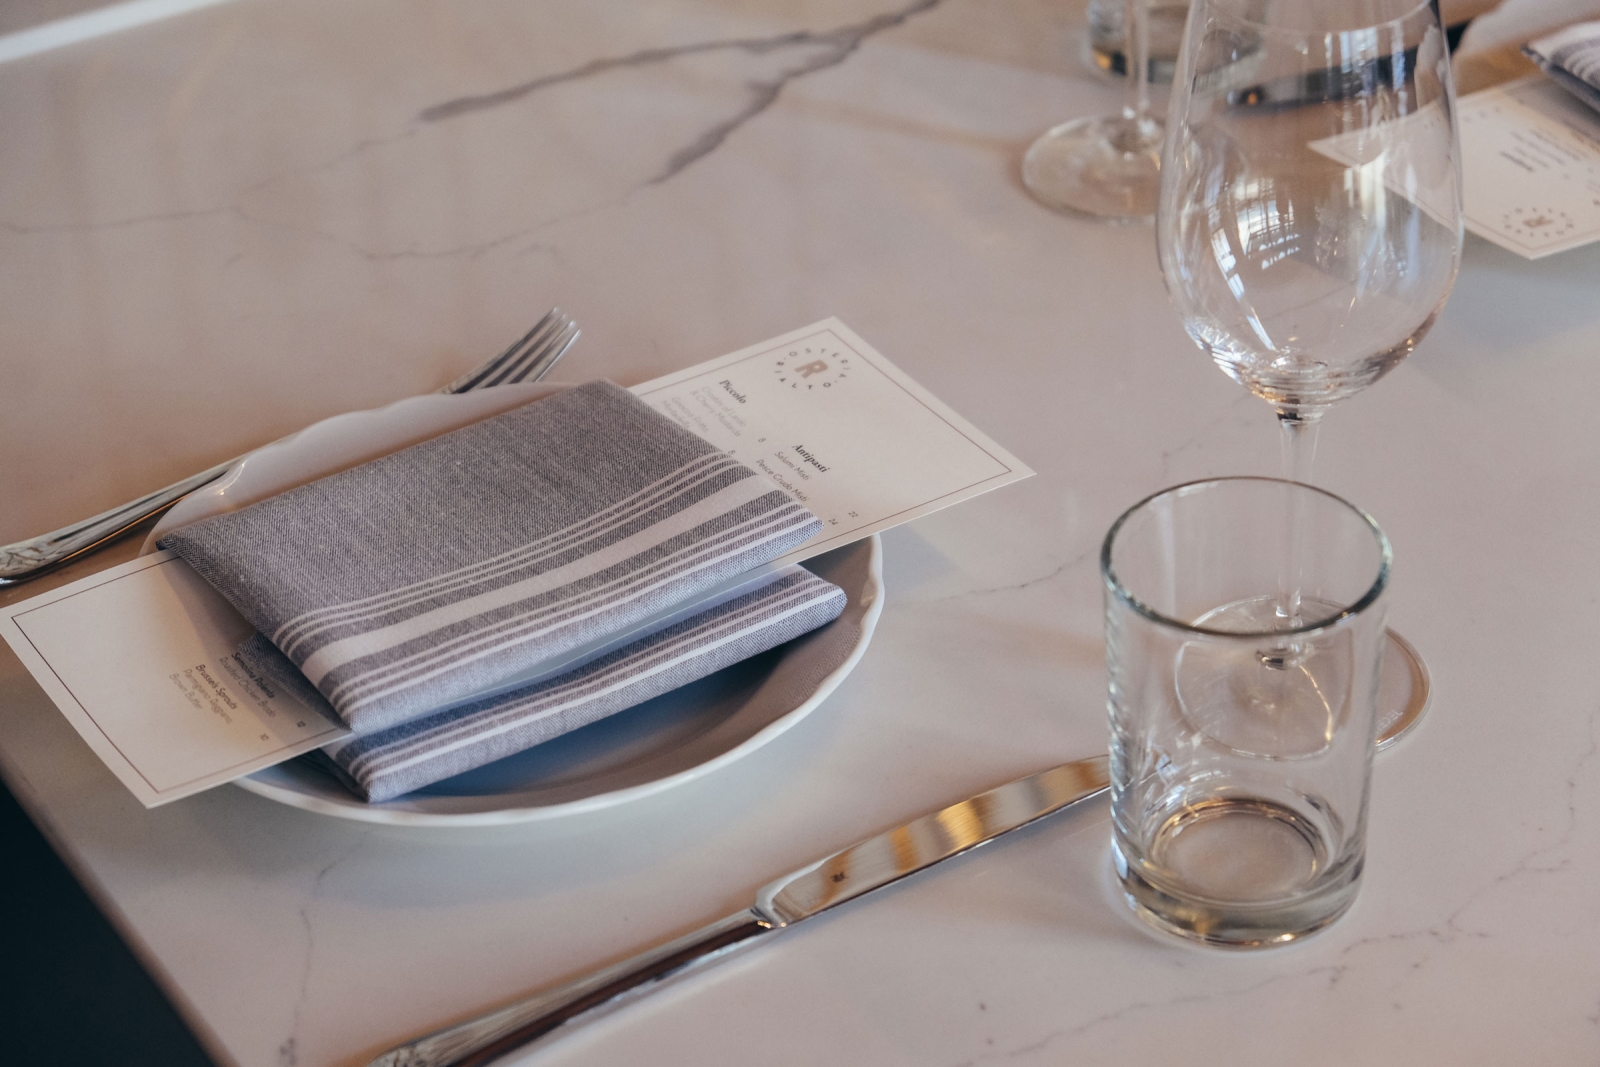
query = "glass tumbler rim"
{"x": 1421, "y": 8}
{"x": 1366, "y": 600}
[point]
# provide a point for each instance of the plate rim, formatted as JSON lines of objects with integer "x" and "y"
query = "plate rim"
{"x": 249, "y": 464}
{"x": 358, "y": 811}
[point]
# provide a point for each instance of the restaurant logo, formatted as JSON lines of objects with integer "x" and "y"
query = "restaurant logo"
{"x": 1539, "y": 223}
{"x": 812, "y": 365}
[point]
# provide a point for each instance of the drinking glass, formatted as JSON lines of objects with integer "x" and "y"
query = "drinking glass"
{"x": 1108, "y": 166}
{"x": 1109, "y": 42}
{"x": 1239, "y": 795}
{"x": 1309, "y": 224}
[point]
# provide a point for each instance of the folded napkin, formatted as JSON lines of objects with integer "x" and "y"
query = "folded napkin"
{"x": 1572, "y": 58}
{"x": 1490, "y": 52}
{"x": 388, "y": 763}
{"x": 418, "y": 580}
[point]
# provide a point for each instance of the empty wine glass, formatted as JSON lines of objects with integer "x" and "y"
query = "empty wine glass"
{"x": 1108, "y": 166}
{"x": 1309, "y": 221}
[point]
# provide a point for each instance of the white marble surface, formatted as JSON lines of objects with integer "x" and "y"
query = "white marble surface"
{"x": 219, "y": 227}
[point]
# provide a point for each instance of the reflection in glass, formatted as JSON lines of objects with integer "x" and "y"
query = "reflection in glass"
{"x": 1309, "y": 227}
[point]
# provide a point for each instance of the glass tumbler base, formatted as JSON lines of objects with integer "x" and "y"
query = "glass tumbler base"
{"x": 1240, "y": 922}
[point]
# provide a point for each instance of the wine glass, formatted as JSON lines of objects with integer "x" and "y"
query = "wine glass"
{"x": 1109, "y": 165}
{"x": 1309, "y": 221}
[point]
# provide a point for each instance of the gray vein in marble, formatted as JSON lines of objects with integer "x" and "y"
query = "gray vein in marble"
{"x": 231, "y": 208}
{"x": 1333, "y": 974}
{"x": 470, "y": 250}
{"x": 1453, "y": 928}
{"x": 1539, "y": 861}
{"x": 1544, "y": 860}
{"x": 1026, "y": 583}
{"x": 820, "y": 50}
{"x": 1198, "y": 438}
{"x": 23, "y": 230}
{"x": 288, "y": 1054}
{"x": 1531, "y": 864}
{"x": 833, "y": 47}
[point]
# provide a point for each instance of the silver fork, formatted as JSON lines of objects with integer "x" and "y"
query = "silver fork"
{"x": 526, "y": 361}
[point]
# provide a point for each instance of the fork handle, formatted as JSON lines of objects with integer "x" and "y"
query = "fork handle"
{"x": 31, "y": 558}
{"x": 25, "y": 559}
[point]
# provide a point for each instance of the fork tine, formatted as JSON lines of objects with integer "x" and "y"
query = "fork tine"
{"x": 475, "y": 378}
{"x": 534, "y": 343}
{"x": 531, "y": 342}
{"x": 515, "y": 370}
{"x": 546, "y": 359}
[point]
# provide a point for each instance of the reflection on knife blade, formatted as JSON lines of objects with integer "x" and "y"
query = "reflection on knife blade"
{"x": 906, "y": 849}
{"x": 852, "y": 872}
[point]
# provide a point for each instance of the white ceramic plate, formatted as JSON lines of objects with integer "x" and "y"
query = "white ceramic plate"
{"x": 675, "y": 738}
{"x": 339, "y": 443}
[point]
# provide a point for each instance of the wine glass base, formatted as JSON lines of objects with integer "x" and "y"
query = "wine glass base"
{"x": 1108, "y": 167}
{"x": 1403, "y": 689}
{"x": 1289, "y": 717}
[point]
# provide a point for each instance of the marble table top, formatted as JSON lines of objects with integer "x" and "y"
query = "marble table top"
{"x": 220, "y": 226}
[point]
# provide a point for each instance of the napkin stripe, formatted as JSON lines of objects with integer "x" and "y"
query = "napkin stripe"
{"x": 390, "y": 763}
{"x": 574, "y": 615}
{"x": 354, "y": 687}
{"x": 423, "y": 665}
{"x": 491, "y": 718}
{"x": 693, "y": 475}
{"x": 500, "y": 572}
{"x": 731, "y": 483}
{"x": 412, "y": 582}
{"x": 476, "y": 601}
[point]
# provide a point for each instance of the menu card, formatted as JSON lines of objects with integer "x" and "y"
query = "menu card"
{"x": 1530, "y": 165}
{"x": 140, "y": 657}
{"x": 845, "y": 431}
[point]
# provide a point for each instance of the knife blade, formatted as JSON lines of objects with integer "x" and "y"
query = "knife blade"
{"x": 849, "y": 873}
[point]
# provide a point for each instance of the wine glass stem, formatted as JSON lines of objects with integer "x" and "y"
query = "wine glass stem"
{"x": 1299, "y": 442}
{"x": 1136, "y": 52}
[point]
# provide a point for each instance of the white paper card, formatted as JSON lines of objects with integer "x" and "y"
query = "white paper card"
{"x": 840, "y": 427}
{"x": 1530, "y": 167}
{"x": 140, "y": 657}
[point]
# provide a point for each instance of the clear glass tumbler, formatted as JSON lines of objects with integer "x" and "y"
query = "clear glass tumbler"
{"x": 1241, "y": 746}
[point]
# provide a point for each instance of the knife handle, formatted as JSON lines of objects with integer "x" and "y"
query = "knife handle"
{"x": 480, "y": 1041}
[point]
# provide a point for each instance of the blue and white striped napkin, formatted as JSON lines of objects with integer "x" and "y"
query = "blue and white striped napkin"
{"x": 420, "y": 580}
{"x": 1572, "y": 58}
{"x": 389, "y": 763}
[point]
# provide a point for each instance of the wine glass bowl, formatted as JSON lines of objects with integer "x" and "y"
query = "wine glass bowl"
{"x": 1309, "y": 225}
{"x": 1309, "y": 231}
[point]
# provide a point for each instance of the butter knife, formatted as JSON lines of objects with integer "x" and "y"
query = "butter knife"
{"x": 845, "y": 875}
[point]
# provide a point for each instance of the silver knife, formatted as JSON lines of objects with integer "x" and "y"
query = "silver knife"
{"x": 853, "y": 872}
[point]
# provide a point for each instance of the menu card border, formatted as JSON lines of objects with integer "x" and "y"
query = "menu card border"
{"x": 11, "y": 628}
{"x": 1012, "y": 469}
